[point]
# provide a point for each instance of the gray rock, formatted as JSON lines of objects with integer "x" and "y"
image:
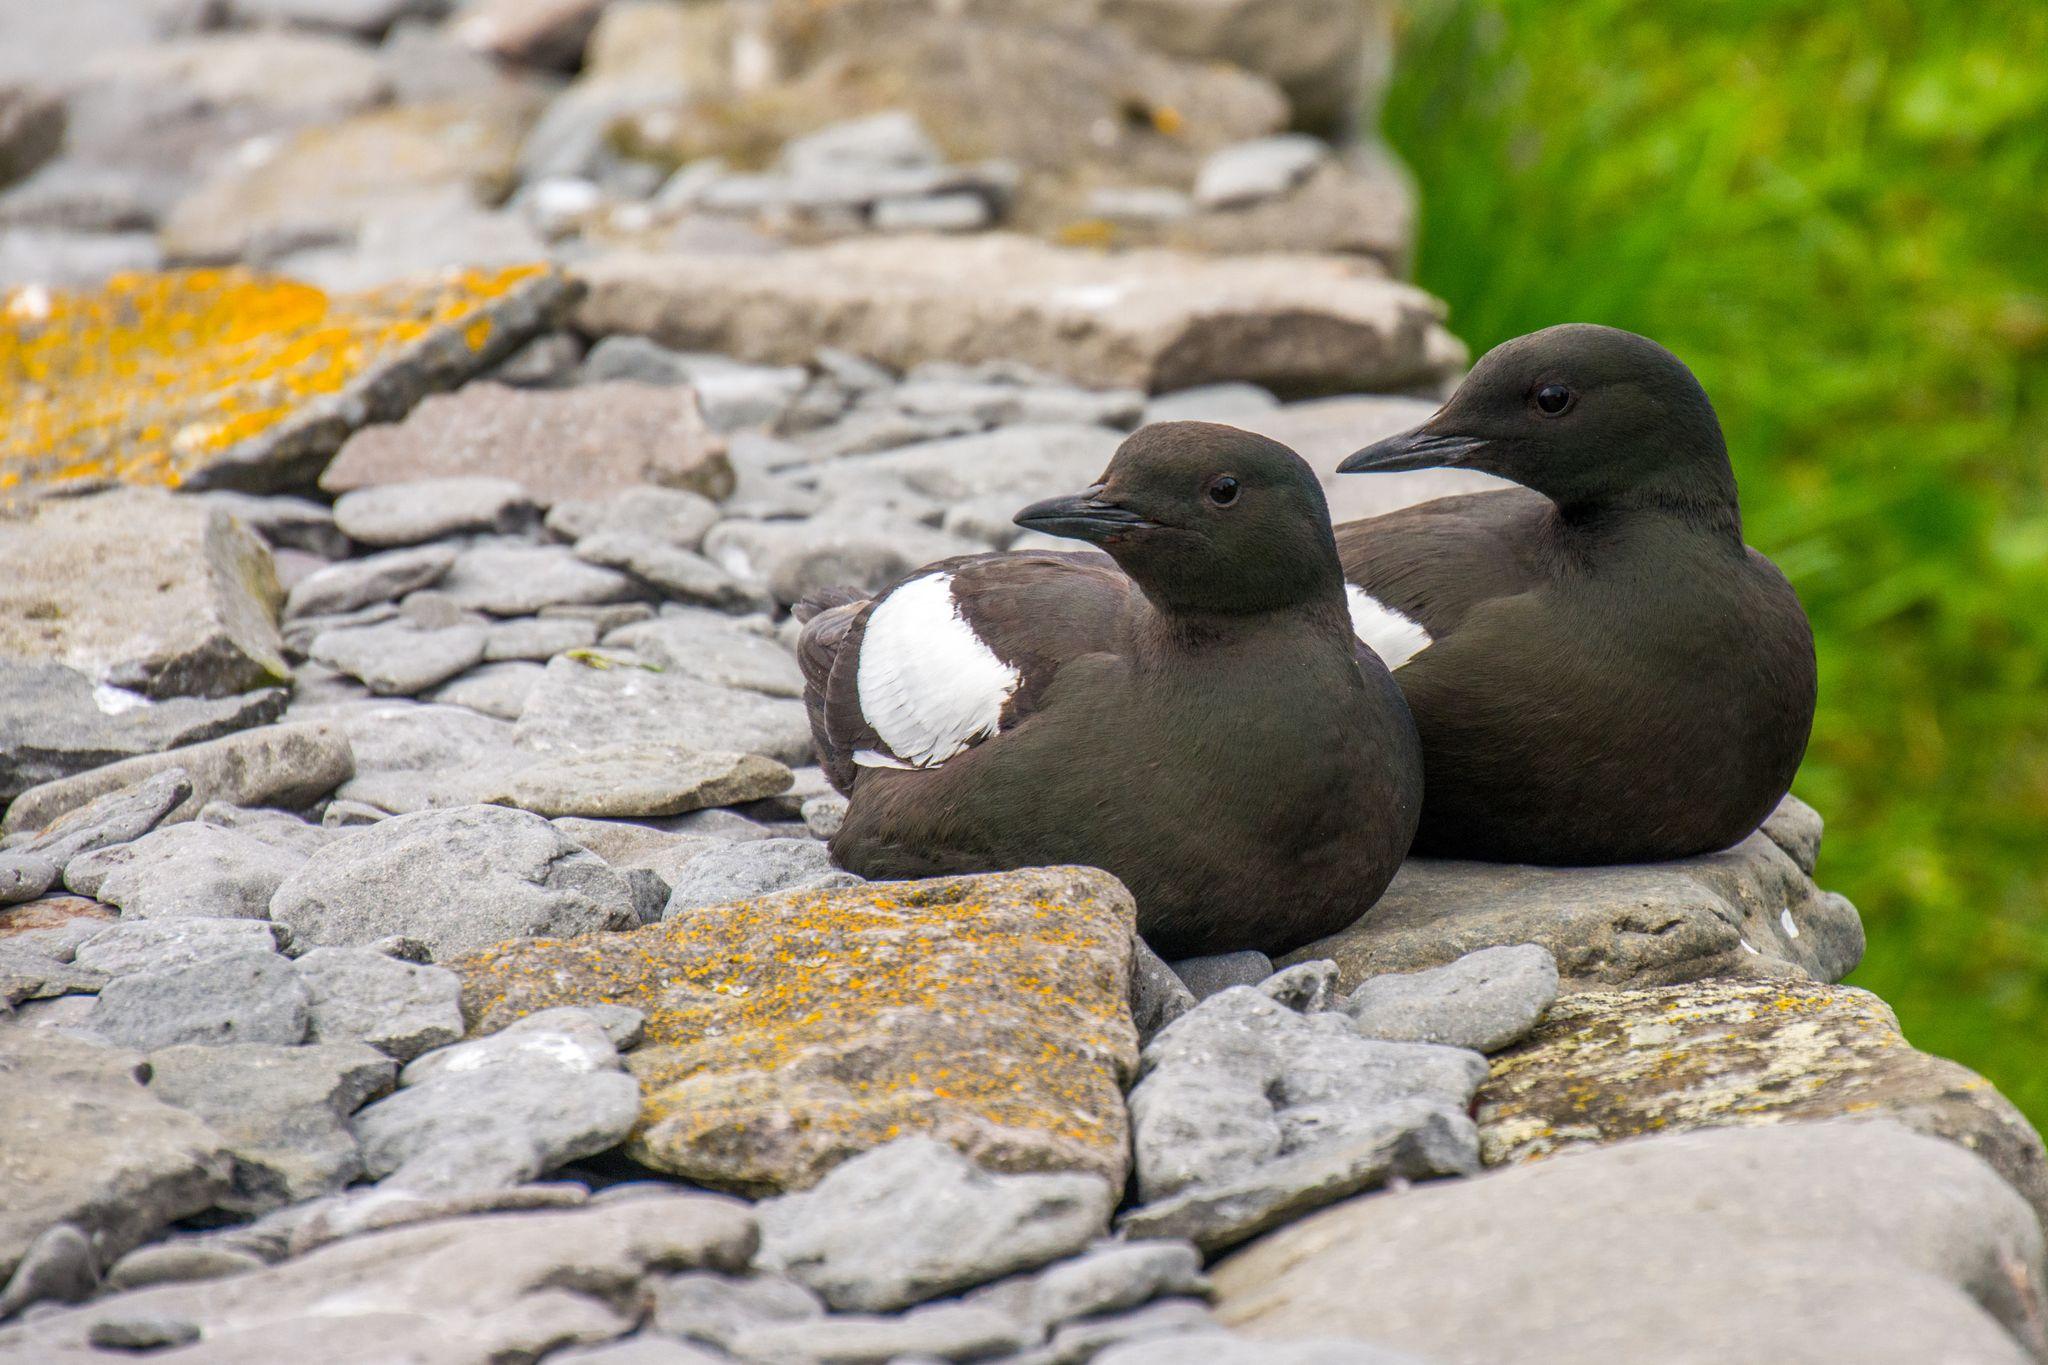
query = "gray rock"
{"x": 56, "y": 1268}
{"x": 942, "y": 1331}
{"x": 162, "y": 945}
{"x": 498, "y": 690}
{"x": 959, "y": 211}
{"x": 1150, "y": 204}
{"x": 628, "y": 781}
{"x": 626, "y": 843}
{"x": 503, "y": 1109}
{"x": 364, "y": 582}
{"x": 823, "y": 815}
{"x": 25, "y": 876}
{"x": 637, "y": 1350}
{"x": 505, "y": 1286}
{"x": 1158, "y": 995}
{"x": 1205, "y": 976}
{"x": 412, "y": 757}
{"x": 1113, "y": 1277}
{"x": 1484, "y": 1001}
{"x": 341, "y": 815}
{"x": 1229, "y": 403}
{"x": 519, "y": 580}
{"x": 1264, "y": 168}
{"x": 1085, "y": 1340}
{"x": 717, "y": 1309}
{"x": 1216, "y": 1348}
{"x": 1249, "y": 1114}
{"x": 399, "y": 1008}
{"x": 397, "y": 660}
{"x": 595, "y": 702}
{"x": 1747, "y": 913}
{"x": 432, "y": 509}
{"x": 54, "y": 722}
{"x": 179, "y": 1262}
{"x": 893, "y": 138}
{"x": 1000, "y": 404}
{"x": 671, "y": 516}
{"x": 39, "y": 972}
{"x": 546, "y": 362}
{"x": 282, "y": 1111}
{"x": 301, "y": 631}
{"x": 288, "y": 766}
{"x": 1310, "y": 988}
{"x": 1848, "y": 1240}
{"x": 378, "y": 1208}
{"x": 457, "y": 880}
{"x": 756, "y": 868}
{"x": 118, "y": 1331}
{"x": 189, "y": 609}
{"x": 121, "y": 816}
{"x": 252, "y": 997}
{"x": 857, "y": 547}
{"x": 188, "y": 870}
{"x": 713, "y": 648}
{"x": 914, "y": 1219}
{"x": 280, "y": 829}
{"x": 678, "y": 574}
{"x": 1796, "y": 828}
{"x": 537, "y": 638}
{"x": 286, "y": 523}
{"x": 87, "y": 1145}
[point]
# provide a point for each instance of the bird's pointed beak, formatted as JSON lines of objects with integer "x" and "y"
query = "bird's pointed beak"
{"x": 1420, "y": 448}
{"x": 1083, "y": 516}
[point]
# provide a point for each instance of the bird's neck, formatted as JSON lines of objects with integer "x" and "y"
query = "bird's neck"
{"x": 1699, "y": 506}
{"x": 1171, "y": 631}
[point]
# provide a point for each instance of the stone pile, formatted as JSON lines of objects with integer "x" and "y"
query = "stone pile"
{"x": 417, "y": 935}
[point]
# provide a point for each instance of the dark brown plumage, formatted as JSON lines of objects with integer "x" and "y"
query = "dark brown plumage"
{"x": 1193, "y": 717}
{"x": 1612, "y": 675}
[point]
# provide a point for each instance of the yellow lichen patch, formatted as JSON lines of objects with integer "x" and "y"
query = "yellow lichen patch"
{"x": 155, "y": 376}
{"x": 789, "y": 1033}
{"x": 1609, "y": 1065}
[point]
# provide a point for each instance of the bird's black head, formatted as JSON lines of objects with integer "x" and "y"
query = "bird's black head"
{"x": 1587, "y": 416}
{"x": 1207, "y": 519}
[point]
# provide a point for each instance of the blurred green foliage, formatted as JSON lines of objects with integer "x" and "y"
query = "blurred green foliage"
{"x": 1837, "y": 213}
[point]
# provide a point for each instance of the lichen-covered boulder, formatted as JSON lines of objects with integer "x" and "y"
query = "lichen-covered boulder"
{"x": 789, "y": 1033}
{"x": 1608, "y": 1065}
{"x": 221, "y": 378}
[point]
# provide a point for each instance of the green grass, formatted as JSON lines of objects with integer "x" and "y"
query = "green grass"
{"x": 1837, "y": 213}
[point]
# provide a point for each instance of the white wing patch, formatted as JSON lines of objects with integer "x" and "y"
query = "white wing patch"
{"x": 1388, "y": 633}
{"x": 928, "y": 684}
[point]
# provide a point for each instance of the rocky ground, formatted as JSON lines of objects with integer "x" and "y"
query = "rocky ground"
{"x": 417, "y": 939}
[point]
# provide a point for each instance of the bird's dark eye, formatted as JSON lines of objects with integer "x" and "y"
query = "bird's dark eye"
{"x": 1553, "y": 399}
{"x": 1223, "y": 491}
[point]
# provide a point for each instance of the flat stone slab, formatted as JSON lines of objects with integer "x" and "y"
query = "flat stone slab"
{"x": 238, "y": 380}
{"x": 85, "y": 1143}
{"x": 627, "y": 781}
{"x": 1750, "y": 912}
{"x": 602, "y": 699}
{"x": 1608, "y": 1065}
{"x": 584, "y": 442}
{"x": 1807, "y": 1244}
{"x": 285, "y": 766}
{"x": 188, "y": 609}
{"x": 56, "y": 727}
{"x": 1155, "y": 320}
{"x": 787, "y": 1034}
{"x": 500, "y": 1286}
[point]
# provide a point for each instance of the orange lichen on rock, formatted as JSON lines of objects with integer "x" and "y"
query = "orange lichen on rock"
{"x": 158, "y": 378}
{"x": 789, "y": 1033}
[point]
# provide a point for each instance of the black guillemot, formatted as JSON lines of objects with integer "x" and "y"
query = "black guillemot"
{"x": 1191, "y": 714}
{"x": 1600, "y": 670}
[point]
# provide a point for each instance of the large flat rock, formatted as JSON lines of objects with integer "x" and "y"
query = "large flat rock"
{"x": 494, "y": 1287}
{"x": 1809, "y": 1244}
{"x": 1608, "y": 1065}
{"x": 1750, "y": 912}
{"x": 83, "y": 1142}
{"x": 157, "y": 594}
{"x": 789, "y": 1033}
{"x": 228, "y": 379}
{"x": 577, "y": 443}
{"x": 1157, "y": 320}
